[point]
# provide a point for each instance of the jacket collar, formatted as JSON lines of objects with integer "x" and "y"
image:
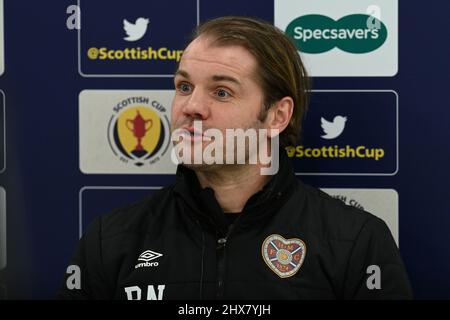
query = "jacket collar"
{"x": 203, "y": 206}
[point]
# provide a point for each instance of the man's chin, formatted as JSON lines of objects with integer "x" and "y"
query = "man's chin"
{"x": 203, "y": 167}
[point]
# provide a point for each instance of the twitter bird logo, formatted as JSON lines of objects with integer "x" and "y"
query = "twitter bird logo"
{"x": 135, "y": 31}
{"x": 333, "y": 129}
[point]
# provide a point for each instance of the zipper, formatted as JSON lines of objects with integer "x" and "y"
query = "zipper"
{"x": 221, "y": 259}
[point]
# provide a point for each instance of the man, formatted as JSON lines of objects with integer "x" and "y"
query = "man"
{"x": 224, "y": 230}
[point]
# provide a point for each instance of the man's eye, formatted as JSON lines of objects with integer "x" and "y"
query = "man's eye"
{"x": 184, "y": 88}
{"x": 221, "y": 93}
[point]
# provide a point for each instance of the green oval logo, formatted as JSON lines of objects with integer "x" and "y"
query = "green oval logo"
{"x": 356, "y": 33}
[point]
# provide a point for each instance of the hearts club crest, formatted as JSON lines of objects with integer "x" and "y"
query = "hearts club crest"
{"x": 283, "y": 256}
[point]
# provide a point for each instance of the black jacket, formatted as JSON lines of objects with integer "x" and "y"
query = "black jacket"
{"x": 291, "y": 241}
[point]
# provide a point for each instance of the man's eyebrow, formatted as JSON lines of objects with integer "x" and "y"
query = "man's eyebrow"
{"x": 182, "y": 73}
{"x": 226, "y": 78}
{"x": 216, "y": 78}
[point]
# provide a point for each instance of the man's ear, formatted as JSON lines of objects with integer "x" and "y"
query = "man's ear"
{"x": 280, "y": 114}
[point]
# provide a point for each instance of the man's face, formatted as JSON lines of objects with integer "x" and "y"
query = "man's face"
{"x": 216, "y": 85}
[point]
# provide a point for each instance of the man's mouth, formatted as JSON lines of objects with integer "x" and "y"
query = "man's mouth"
{"x": 191, "y": 134}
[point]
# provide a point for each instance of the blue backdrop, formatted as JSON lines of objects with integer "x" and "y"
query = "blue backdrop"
{"x": 46, "y": 193}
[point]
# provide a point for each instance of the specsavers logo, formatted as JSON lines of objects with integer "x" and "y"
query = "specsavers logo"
{"x": 138, "y": 131}
{"x": 356, "y": 33}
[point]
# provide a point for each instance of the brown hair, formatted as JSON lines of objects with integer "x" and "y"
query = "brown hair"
{"x": 280, "y": 72}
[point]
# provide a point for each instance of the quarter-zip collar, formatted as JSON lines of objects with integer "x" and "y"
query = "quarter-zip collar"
{"x": 204, "y": 206}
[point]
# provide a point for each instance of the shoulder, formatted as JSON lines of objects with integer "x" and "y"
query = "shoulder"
{"x": 331, "y": 218}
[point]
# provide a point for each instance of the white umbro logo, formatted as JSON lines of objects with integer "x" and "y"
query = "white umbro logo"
{"x": 147, "y": 256}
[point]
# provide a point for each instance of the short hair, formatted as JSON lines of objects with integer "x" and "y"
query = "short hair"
{"x": 280, "y": 70}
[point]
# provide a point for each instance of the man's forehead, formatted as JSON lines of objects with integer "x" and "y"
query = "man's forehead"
{"x": 205, "y": 50}
{"x": 213, "y": 77}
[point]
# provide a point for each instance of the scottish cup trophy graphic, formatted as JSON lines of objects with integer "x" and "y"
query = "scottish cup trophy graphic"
{"x": 139, "y": 127}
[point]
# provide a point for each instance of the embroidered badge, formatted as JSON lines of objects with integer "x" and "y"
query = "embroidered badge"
{"x": 283, "y": 256}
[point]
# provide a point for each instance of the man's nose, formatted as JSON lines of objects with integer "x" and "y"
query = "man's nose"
{"x": 197, "y": 105}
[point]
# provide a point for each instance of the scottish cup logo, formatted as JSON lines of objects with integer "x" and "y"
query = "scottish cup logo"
{"x": 138, "y": 131}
